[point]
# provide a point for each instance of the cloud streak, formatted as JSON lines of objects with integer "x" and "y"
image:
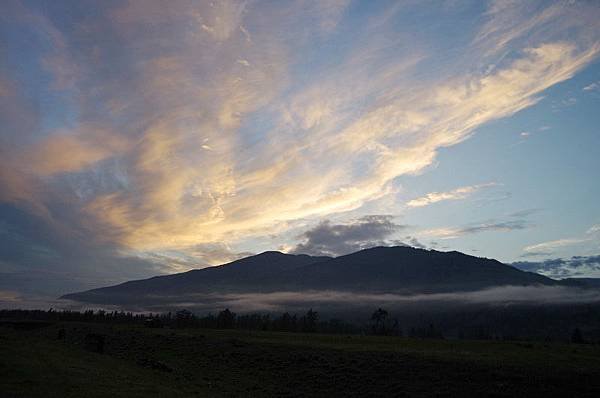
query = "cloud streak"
{"x": 490, "y": 226}
{"x": 455, "y": 194}
{"x": 549, "y": 247}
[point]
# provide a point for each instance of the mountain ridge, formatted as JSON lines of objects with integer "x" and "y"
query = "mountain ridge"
{"x": 398, "y": 269}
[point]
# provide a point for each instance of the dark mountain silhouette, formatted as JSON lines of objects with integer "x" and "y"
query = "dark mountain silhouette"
{"x": 380, "y": 269}
{"x": 245, "y": 274}
{"x": 406, "y": 269}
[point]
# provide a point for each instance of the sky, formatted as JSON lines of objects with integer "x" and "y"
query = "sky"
{"x": 148, "y": 137}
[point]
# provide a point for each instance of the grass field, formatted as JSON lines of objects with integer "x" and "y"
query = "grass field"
{"x": 141, "y": 362}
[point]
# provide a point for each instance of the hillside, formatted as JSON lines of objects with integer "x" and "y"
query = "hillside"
{"x": 405, "y": 269}
{"x": 240, "y": 275}
{"x": 381, "y": 269}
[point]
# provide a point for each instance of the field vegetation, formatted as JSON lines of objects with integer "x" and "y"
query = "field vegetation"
{"x": 92, "y": 359}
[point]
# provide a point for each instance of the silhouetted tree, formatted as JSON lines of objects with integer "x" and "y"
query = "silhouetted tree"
{"x": 226, "y": 319}
{"x": 379, "y": 320}
{"x": 285, "y": 322}
{"x": 309, "y": 321}
{"x": 183, "y": 318}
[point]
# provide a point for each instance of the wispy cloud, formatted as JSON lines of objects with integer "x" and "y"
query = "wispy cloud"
{"x": 512, "y": 222}
{"x": 549, "y": 247}
{"x": 569, "y": 101}
{"x": 592, "y": 87}
{"x": 594, "y": 229}
{"x": 455, "y": 194}
{"x": 489, "y": 226}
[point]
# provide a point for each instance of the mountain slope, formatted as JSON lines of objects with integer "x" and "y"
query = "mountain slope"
{"x": 406, "y": 268}
{"x": 242, "y": 274}
{"x": 380, "y": 269}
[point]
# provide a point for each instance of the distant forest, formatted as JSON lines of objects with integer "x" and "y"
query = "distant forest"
{"x": 577, "y": 324}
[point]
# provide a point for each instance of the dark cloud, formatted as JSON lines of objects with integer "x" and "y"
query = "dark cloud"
{"x": 414, "y": 242}
{"x": 493, "y": 198}
{"x": 39, "y": 258}
{"x": 509, "y": 225}
{"x": 524, "y": 213}
{"x": 42, "y": 258}
{"x": 536, "y": 254}
{"x": 576, "y": 266}
{"x": 327, "y": 239}
{"x": 512, "y": 222}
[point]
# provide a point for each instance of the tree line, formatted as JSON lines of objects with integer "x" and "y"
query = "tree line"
{"x": 380, "y": 323}
{"x": 308, "y": 322}
{"x": 486, "y": 325}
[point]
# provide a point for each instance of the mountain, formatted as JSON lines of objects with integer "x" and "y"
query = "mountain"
{"x": 381, "y": 269}
{"x": 408, "y": 269}
{"x": 245, "y": 274}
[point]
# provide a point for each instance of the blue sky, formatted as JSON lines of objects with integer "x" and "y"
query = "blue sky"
{"x": 148, "y": 137}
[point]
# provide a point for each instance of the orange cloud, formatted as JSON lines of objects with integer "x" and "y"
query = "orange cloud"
{"x": 65, "y": 152}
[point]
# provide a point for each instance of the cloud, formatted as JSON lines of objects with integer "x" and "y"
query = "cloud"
{"x": 496, "y": 226}
{"x": 549, "y": 247}
{"x": 414, "y": 242}
{"x": 527, "y": 134}
{"x": 199, "y": 256}
{"x": 569, "y": 101}
{"x": 513, "y": 222}
{"x": 40, "y": 258}
{"x": 327, "y": 239}
{"x": 489, "y": 226}
{"x": 523, "y": 213}
{"x": 455, "y": 194}
{"x": 86, "y": 146}
{"x": 592, "y": 86}
{"x": 330, "y": 13}
{"x": 594, "y": 229}
{"x": 559, "y": 268}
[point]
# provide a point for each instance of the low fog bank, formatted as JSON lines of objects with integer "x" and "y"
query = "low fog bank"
{"x": 12, "y": 300}
{"x": 504, "y": 295}
{"x": 507, "y": 312}
{"x": 340, "y": 303}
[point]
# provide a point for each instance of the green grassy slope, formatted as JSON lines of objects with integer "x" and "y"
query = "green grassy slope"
{"x": 140, "y": 362}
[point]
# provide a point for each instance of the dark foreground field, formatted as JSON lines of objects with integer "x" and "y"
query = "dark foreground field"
{"x": 140, "y": 362}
